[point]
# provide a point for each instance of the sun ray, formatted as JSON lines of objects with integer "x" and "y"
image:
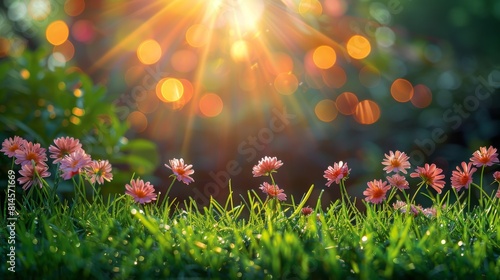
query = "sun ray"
{"x": 254, "y": 55}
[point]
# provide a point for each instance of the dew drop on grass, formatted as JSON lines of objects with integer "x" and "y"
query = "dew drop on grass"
{"x": 141, "y": 258}
{"x": 443, "y": 241}
{"x": 116, "y": 269}
{"x": 125, "y": 242}
{"x": 364, "y": 238}
{"x": 110, "y": 239}
{"x": 133, "y": 211}
{"x": 460, "y": 243}
{"x": 77, "y": 244}
{"x": 53, "y": 249}
{"x": 35, "y": 241}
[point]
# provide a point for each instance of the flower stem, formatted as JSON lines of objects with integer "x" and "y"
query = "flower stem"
{"x": 416, "y": 192}
{"x": 170, "y": 187}
{"x": 481, "y": 187}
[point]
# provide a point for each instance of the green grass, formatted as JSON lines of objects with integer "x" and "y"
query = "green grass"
{"x": 255, "y": 239}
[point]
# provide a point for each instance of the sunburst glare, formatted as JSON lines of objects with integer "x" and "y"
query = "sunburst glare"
{"x": 234, "y": 60}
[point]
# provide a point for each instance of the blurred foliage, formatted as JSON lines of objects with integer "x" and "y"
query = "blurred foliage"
{"x": 41, "y": 101}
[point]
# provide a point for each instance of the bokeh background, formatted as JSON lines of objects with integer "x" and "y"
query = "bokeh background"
{"x": 223, "y": 83}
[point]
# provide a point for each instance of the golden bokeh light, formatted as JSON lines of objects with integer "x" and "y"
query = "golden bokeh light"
{"x": 186, "y": 96}
{"x": 210, "y": 105}
{"x": 422, "y": 96}
{"x": 324, "y": 57}
{"x": 310, "y": 7}
{"x": 358, "y": 47}
{"x": 57, "y": 32}
{"x": 73, "y": 119}
{"x": 367, "y": 112}
{"x": 326, "y": 110}
{"x": 79, "y": 112}
{"x": 25, "y": 74}
{"x": 78, "y": 93}
{"x": 138, "y": 121}
{"x": 197, "y": 35}
{"x": 169, "y": 90}
{"x": 402, "y": 90}
{"x": 286, "y": 83}
{"x": 240, "y": 50}
{"x": 346, "y": 103}
{"x": 149, "y": 52}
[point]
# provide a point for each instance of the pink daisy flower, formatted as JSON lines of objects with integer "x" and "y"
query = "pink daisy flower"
{"x": 484, "y": 156}
{"x": 398, "y": 181}
{"x": 29, "y": 176}
{"x": 9, "y": 146}
{"x": 73, "y": 163}
{"x": 140, "y": 191}
{"x": 306, "y": 211}
{"x": 496, "y": 176}
{"x": 98, "y": 171}
{"x": 181, "y": 170}
{"x": 462, "y": 178}
{"x": 63, "y": 147}
{"x": 336, "y": 173}
{"x": 30, "y": 152}
{"x": 396, "y": 161}
{"x": 403, "y": 208}
{"x": 376, "y": 191}
{"x": 266, "y": 166}
{"x": 273, "y": 191}
{"x": 429, "y": 212}
{"x": 430, "y": 175}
